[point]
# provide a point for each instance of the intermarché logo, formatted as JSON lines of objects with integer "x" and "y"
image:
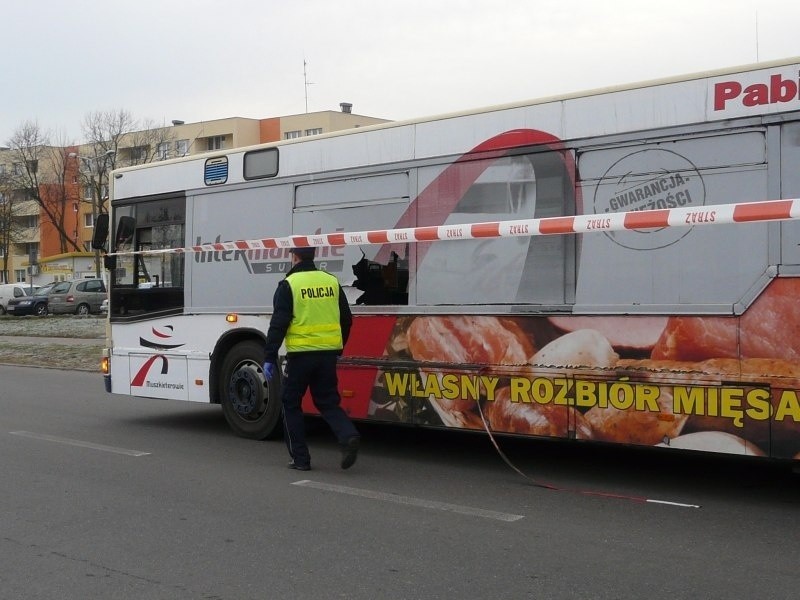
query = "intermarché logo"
{"x": 269, "y": 260}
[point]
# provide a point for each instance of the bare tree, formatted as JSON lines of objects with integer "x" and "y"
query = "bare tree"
{"x": 40, "y": 173}
{"x": 115, "y": 139}
{"x": 61, "y": 193}
{"x": 148, "y": 140}
{"x": 11, "y": 230}
{"x": 52, "y": 176}
{"x": 104, "y": 132}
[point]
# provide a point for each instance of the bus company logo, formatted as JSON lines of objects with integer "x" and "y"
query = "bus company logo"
{"x": 161, "y": 335}
{"x": 141, "y": 375}
{"x": 269, "y": 261}
{"x": 652, "y": 179}
{"x": 775, "y": 91}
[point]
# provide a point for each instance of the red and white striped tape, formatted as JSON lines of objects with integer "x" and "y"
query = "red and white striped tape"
{"x": 720, "y": 214}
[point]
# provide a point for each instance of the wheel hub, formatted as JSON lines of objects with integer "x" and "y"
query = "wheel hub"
{"x": 246, "y": 391}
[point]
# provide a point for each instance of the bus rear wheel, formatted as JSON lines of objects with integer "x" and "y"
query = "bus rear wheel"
{"x": 250, "y": 403}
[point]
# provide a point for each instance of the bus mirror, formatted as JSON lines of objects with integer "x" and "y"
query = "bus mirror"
{"x": 125, "y": 229}
{"x": 100, "y": 235}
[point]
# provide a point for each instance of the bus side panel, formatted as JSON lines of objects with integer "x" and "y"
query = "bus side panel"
{"x": 120, "y": 372}
{"x": 668, "y": 381}
{"x": 789, "y": 187}
{"x": 159, "y": 375}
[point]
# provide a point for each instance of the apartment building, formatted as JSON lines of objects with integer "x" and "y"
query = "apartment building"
{"x": 36, "y": 252}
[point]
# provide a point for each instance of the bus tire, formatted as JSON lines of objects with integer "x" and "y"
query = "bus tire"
{"x": 251, "y": 404}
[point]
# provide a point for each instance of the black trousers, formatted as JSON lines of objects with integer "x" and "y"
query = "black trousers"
{"x": 317, "y": 372}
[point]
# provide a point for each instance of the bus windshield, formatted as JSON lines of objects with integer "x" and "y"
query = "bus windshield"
{"x": 148, "y": 283}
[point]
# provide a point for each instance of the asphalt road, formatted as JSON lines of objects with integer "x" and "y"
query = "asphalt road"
{"x": 112, "y": 497}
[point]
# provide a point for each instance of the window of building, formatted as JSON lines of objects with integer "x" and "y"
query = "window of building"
{"x": 139, "y": 153}
{"x": 163, "y": 151}
{"x": 290, "y": 135}
{"x": 17, "y": 168}
{"x": 30, "y": 221}
{"x": 182, "y": 147}
{"x": 88, "y": 220}
{"x": 216, "y": 142}
{"x": 2, "y": 169}
{"x": 32, "y": 249}
{"x": 19, "y": 275}
{"x": 315, "y": 131}
{"x": 87, "y": 191}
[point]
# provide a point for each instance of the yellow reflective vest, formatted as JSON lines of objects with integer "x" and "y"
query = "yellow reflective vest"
{"x": 315, "y": 322}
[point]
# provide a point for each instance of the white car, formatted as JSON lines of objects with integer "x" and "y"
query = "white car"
{"x": 14, "y": 290}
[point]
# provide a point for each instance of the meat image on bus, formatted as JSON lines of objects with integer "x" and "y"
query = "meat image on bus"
{"x": 671, "y": 336}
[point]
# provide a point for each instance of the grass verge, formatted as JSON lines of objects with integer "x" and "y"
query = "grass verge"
{"x": 53, "y": 356}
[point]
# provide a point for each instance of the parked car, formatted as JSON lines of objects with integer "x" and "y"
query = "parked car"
{"x": 78, "y": 296}
{"x": 30, "y": 305}
{"x": 14, "y": 290}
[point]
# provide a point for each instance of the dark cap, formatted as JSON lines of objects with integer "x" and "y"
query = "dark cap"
{"x": 304, "y": 253}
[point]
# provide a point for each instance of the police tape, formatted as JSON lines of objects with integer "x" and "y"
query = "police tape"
{"x": 720, "y": 214}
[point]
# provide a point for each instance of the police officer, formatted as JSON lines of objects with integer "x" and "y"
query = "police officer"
{"x": 312, "y": 315}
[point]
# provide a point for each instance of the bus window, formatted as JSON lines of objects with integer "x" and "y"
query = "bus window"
{"x": 353, "y": 204}
{"x": 500, "y": 270}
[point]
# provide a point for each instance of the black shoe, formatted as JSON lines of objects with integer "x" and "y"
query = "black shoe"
{"x": 350, "y": 452}
{"x": 297, "y": 467}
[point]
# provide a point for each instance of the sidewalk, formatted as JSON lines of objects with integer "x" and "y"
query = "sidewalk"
{"x": 64, "y": 341}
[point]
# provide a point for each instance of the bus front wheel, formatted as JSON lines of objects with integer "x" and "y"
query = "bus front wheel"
{"x": 250, "y": 403}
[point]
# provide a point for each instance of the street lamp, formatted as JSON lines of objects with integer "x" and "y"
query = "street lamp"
{"x": 89, "y": 161}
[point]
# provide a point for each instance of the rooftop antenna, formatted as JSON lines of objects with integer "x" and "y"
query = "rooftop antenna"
{"x": 306, "y": 82}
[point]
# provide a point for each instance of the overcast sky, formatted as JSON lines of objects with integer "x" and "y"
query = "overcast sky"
{"x": 198, "y": 60}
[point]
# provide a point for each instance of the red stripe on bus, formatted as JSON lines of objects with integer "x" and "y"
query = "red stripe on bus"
{"x": 269, "y": 243}
{"x": 646, "y": 219}
{"x": 242, "y": 245}
{"x": 761, "y": 211}
{"x": 485, "y": 230}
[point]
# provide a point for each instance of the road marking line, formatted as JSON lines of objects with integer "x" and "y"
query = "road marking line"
{"x": 79, "y": 443}
{"x": 410, "y": 501}
{"x": 667, "y": 502}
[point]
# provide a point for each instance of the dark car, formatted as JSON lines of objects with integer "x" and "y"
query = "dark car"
{"x": 30, "y": 305}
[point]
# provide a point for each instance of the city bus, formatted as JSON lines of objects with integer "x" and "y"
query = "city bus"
{"x": 673, "y": 335}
